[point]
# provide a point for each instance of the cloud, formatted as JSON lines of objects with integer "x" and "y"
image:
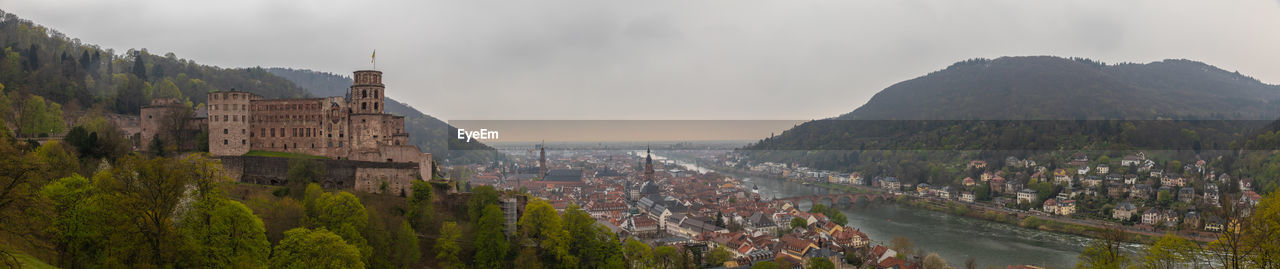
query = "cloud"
{"x": 591, "y": 59}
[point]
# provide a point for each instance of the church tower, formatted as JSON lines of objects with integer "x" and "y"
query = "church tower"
{"x": 366, "y": 96}
{"x": 648, "y": 165}
{"x": 542, "y": 160}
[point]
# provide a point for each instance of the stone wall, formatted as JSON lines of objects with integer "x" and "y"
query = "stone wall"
{"x": 339, "y": 174}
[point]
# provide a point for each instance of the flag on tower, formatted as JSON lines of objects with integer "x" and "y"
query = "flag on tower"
{"x": 373, "y": 57}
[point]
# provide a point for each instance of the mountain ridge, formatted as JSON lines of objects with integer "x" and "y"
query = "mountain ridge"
{"x": 1079, "y": 89}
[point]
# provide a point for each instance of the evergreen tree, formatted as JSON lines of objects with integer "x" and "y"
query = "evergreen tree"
{"x": 139, "y": 67}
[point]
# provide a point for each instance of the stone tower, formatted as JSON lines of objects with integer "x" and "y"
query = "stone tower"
{"x": 542, "y": 160}
{"x": 229, "y": 122}
{"x": 648, "y": 165}
{"x": 366, "y": 92}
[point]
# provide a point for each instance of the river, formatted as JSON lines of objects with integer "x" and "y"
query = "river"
{"x": 954, "y": 238}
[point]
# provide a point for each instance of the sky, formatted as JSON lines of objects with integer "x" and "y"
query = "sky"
{"x": 663, "y": 60}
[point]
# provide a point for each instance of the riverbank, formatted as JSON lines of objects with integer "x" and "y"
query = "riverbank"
{"x": 1022, "y": 220}
{"x": 981, "y": 212}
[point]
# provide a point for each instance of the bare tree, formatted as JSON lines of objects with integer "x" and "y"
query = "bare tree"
{"x": 1230, "y": 248}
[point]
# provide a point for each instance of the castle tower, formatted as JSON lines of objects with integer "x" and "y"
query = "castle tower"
{"x": 229, "y": 122}
{"x": 367, "y": 92}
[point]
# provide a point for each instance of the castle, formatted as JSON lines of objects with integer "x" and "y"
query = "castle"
{"x": 351, "y": 128}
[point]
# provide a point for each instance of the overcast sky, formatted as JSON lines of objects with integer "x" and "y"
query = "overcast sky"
{"x": 680, "y": 59}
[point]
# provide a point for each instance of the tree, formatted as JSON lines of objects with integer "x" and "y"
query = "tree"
{"x": 902, "y": 245}
{"x": 421, "y": 208}
{"x": 540, "y": 227}
{"x": 665, "y": 257}
{"x": 720, "y": 254}
{"x": 933, "y": 261}
{"x": 148, "y": 191}
{"x": 638, "y": 254}
{"x": 481, "y": 197}
{"x": 166, "y": 89}
{"x": 279, "y": 214}
{"x": 852, "y": 258}
{"x": 1263, "y": 231}
{"x": 491, "y": 243}
{"x": 40, "y": 117}
{"x": 56, "y": 155}
{"x": 406, "y": 246}
{"x": 225, "y": 233}
{"x": 139, "y": 67}
{"x": 304, "y": 248}
{"x": 765, "y": 265}
{"x": 1105, "y": 252}
{"x": 819, "y": 263}
{"x": 130, "y": 93}
{"x": 344, "y": 215}
{"x": 447, "y": 249}
{"x": 798, "y": 223}
{"x": 74, "y": 232}
{"x": 1170, "y": 252}
{"x": 588, "y": 240}
{"x": 1231, "y": 248}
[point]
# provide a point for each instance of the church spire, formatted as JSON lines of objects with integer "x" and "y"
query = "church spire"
{"x": 648, "y": 164}
{"x": 542, "y": 159}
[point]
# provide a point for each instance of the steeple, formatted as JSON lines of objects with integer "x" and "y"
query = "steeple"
{"x": 542, "y": 159}
{"x": 648, "y": 164}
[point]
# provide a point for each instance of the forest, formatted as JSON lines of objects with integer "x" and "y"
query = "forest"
{"x": 51, "y": 81}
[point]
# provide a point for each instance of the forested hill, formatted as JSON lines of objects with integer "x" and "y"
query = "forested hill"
{"x": 44, "y": 62}
{"x": 1044, "y": 87}
{"x": 427, "y": 132}
{"x": 1032, "y": 105}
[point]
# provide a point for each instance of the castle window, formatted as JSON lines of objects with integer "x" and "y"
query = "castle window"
{"x": 364, "y": 105}
{"x": 241, "y": 131}
{"x": 364, "y": 93}
{"x": 224, "y": 131}
{"x": 224, "y": 141}
{"x": 375, "y": 105}
{"x": 242, "y": 142}
{"x": 273, "y": 134}
{"x": 330, "y": 144}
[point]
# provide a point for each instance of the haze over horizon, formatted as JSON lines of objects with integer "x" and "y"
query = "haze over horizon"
{"x": 574, "y": 59}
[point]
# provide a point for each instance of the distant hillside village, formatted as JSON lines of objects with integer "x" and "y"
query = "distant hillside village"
{"x": 1133, "y": 190}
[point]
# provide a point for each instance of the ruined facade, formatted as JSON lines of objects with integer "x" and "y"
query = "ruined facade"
{"x": 349, "y": 128}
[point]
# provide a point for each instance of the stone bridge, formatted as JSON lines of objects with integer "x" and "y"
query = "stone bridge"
{"x": 838, "y": 199}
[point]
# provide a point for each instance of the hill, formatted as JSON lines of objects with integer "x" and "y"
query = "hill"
{"x": 1030, "y": 105}
{"x": 1044, "y": 87}
{"x": 40, "y": 61}
{"x": 427, "y": 132}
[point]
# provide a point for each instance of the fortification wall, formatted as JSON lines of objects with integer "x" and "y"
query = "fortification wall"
{"x": 339, "y": 174}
